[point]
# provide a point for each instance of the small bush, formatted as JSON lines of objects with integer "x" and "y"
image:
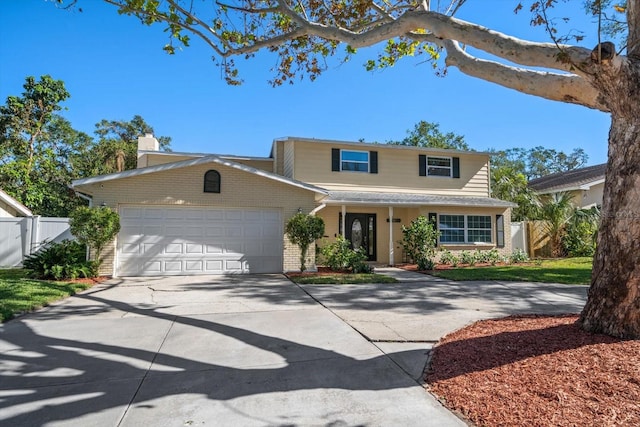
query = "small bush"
{"x": 447, "y": 257}
{"x": 419, "y": 242}
{"x": 493, "y": 256}
{"x": 518, "y": 256}
{"x": 302, "y": 230}
{"x": 59, "y": 261}
{"x": 339, "y": 256}
{"x": 467, "y": 257}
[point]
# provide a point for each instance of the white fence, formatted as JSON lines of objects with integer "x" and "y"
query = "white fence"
{"x": 519, "y": 236}
{"x": 22, "y": 236}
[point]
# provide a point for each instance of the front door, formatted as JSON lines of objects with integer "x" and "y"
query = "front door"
{"x": 361, "y": 232}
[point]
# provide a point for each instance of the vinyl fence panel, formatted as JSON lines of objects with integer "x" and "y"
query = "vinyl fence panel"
{"x": 22, "y": 236}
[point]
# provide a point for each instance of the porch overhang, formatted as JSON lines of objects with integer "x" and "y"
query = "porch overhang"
{"x": 410, "y": 200}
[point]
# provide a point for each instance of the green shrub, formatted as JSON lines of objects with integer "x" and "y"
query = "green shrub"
{"x": 447, "y": 257}
{"x": 494, "y": 256}
{"x": 581, "y": 231}
{"x": 94, "y": 227}
{"x": 302, "y": 230}
{"x": 339, "y": 256}
{"x": 467, "y": 257}
{"x": 59, "y": 261}
{"x": 419, "y": 242}
{"x": 518, "y": 256}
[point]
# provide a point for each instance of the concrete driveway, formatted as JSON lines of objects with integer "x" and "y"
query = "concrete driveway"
{"x": 236, "y": 351}
{"x": 423, "y": 308}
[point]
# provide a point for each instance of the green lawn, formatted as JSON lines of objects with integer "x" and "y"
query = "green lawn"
{"x": 573, "y": 271}
{"x": 19, "y": 293}
{"x": 341, "y": 279}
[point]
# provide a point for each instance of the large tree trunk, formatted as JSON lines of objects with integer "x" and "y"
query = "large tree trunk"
{"x": 613, "y": 306}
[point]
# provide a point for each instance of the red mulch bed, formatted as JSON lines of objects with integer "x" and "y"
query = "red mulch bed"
{"x": 91, "y": 281}
{"x": 414, "y": 267}
{"x": 322, "y": 271}
{"x": 537, "y": 370}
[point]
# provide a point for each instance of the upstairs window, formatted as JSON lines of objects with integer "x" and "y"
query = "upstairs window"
{"x": 448, "y": 167}
{"x": 439, "y": 166}
{"x": 354, "y": 161}
{"x": 212, "y": 181}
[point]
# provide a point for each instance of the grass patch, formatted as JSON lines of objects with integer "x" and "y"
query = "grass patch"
{"x": 20, "y": 294}
{"x": 572, "y": 271}
{"x": 340, "y": 279}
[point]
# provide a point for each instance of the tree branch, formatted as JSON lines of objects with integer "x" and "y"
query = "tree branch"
{"x": 566, "y": 88}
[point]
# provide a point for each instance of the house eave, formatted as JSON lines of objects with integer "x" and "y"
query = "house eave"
{"x": 194, "y": 162}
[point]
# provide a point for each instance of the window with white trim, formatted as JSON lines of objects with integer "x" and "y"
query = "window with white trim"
{"x": 439, "y": 166}
{"x": 354, "y": 161}
{"x": 465, "y": 228}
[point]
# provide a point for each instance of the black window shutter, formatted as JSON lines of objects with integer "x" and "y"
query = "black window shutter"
{"x": 433, "y": 219}
{"x": 500, "y": 231}
{"x": 335, "y": 159}
{"x": 373, "y": 162}
{"x": 456, "y": 167}
{"x": 422, "y": 165}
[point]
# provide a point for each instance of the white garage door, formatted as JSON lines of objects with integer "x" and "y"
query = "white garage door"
{"x": 185, "y": 240}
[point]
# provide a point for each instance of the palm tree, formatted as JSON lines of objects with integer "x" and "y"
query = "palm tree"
{"x": 556, "y": 211}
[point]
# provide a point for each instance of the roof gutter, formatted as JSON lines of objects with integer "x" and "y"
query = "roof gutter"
{"x": 317, "y": 209}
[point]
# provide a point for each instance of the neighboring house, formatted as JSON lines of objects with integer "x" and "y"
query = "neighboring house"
{"x": 10, "y": 207}
{"x": 585, "y": 184}
{"x": 187, "y": 213}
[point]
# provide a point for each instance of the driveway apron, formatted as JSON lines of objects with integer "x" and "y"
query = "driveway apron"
{"x": 205, "y": 350}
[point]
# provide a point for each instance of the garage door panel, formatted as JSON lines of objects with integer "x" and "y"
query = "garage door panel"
{"x": 194, "y": 266}
{"x": 211, "y": 231}
{"x": 214, "y": 249}
{"x": 233, "y": 215}
{"x": 183, "y": 240}
{"x": 191, "y": 248}
{"x": 215, "y": 266}
{"x": 173, "y": 248}
{"x": 152, "y": 230}
{"x": 153, "y": 213}
{"x": 233, "y": 231}
{"x": 130, "y": 213}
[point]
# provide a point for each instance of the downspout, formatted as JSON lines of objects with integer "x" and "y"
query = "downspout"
{"x": 85, "y": 197}
{"x": 317, "y": 209}
{"x": 90, "y": 200}
{"x": 391, "y": 243}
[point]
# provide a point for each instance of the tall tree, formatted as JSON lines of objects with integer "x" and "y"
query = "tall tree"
{"x": 539, "y": 161}
{"x": 118, "y": 139}
{"x": 34, "y": 147}
{"x": 304, "y": 32}
{"x": 427, "y": 134}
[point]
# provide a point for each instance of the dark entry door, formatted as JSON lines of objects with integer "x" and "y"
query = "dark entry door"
{"x": 361, "y": 232}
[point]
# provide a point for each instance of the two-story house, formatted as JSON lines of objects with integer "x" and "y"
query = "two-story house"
{"x": 185, "y": 213}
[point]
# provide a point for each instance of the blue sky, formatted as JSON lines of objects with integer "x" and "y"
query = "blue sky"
{"x": 114, "y": 68}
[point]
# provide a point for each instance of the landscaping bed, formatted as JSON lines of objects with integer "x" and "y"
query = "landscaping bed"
{"x": 574, "y": 271}
{"x": 325, "y": 275}
{"x": 537, "y": 370}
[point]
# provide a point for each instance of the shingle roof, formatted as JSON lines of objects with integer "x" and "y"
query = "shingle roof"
{"x": 411, "y": 199}
{"x": 193, "y": 162}
{"x": 569, "y": 180}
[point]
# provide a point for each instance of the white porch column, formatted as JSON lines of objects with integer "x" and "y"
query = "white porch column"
{"x": 344, "y": 220}
{"x": 391, "y": 245}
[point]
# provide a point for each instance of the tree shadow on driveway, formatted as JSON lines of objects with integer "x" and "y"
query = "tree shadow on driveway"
{"x": 47, "y": 377}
